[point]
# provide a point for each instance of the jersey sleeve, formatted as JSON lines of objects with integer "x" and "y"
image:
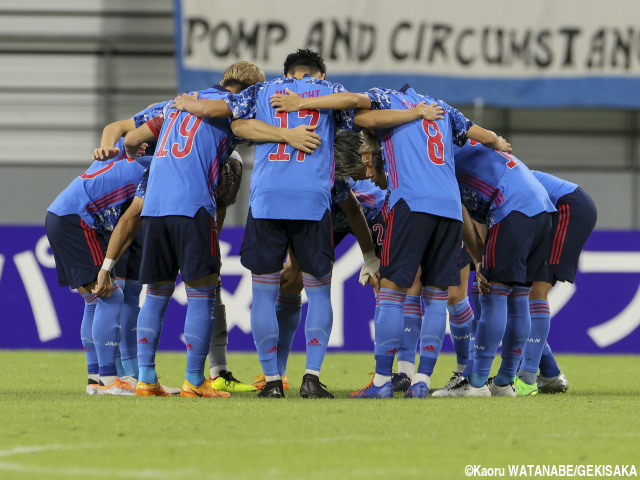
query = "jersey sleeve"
{"x": 343, "y": 118}
{"x": 142, "y": 186}
{"x": 459, "y": 123}
{"x": 380, "y": 99}
{"x": 245, "y": 103}
{"x": 148, "y": 113}
{"x": 155, "y": 124}
{"x": 340, "y": 191}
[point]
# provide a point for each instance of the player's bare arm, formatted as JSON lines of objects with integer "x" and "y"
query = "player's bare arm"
{"x": 292, "y": 102}
{"x": 389, "y": 118}
{"x": 360, "y": 229}
{"x": 488, "y": 138}
{"x": 122, "y": 236}
{"x": 110, "y": 135}
{"x": 135, "y": 138}
{"x": 301, "y": 137}
{"x": 474, "y": 244}
{"x": 201, "y": 108}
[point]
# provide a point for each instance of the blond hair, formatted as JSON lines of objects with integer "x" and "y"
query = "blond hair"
{"x": 245, "y": 73}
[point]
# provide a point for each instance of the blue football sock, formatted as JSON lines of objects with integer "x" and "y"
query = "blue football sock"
{"x": 376, "y": 311}
{"x": 319, "y": 318}
{"x": 106, "y": 330}
{"x": 388, "y": 329}
{"x": 489, "y": 332}
{"x": 86, "y": 335}
{"x": 150, "y": 322}
{"x": 473, "y": 326}
{"x": 128, "y": 324}
{"x": 288, "y": 312}
{"x": 264, "y": 323}
{"x": 460, "y": 317}
{"x": 412, "y": 317}
{"x": 516, "y": 334}
{"x": 434, "y": 326}
{"x": 540, "y": 323}
{"x": 548, "y": 366}
{"x": 198, "y": 326}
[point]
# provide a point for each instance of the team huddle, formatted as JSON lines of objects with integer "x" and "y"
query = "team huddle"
{"x": 428, "y": 194}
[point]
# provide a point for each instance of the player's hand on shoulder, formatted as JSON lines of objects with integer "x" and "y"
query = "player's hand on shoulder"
{"x": 430, "y": 112}
{"x": 503, "y": 145}
{"x": 105, "y": 153}
{"x": 303, "y": 138}
{"x": 181, "y": 101}
{"x": 289, "y": 102}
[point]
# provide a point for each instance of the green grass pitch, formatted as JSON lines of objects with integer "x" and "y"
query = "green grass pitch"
{"x": 51, "y": 429}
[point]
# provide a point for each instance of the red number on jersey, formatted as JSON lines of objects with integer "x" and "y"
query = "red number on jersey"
{"x": 283, "y": 118}
{"x": 106, "y": 168}
{"x": 512, "y": 161}
{"x": 315, "y": 117}
{"x": 161, "y": 152}
{"x": 188, "y": 133}
{"x": 280, "y": 155}
{"x": 436, "y": 147}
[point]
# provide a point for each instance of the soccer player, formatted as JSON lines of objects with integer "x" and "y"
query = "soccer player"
{"x": 425, "y": 220}
{"x": 354, "y": 204}
{"x": 572, "y": 224}
{"x": 78, "y": 225}
{"x": 179, "y": 231}
{"x": 498, "y": 190}
{"x": 288, "y": 208}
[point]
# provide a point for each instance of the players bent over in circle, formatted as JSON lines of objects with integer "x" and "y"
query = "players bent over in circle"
{"x": 288, "y": 209}
{"x": 355, "y": 205}
{"x": 571, "y": 226}
{"x": 180, "y": 233}
{"x": 425, "y": 219}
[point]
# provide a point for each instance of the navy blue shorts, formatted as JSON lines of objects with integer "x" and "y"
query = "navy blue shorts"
{"x": 179, "y": 243}
{"x": 516, "y": 249}
{"x": 128, "y": 265}
{"x": 266, "y": 241}
{"x": 77, "y": 248}
{"x": 570, "y": 229}
{"x": 416, "y": 239}
{"x": 465, "y": 259}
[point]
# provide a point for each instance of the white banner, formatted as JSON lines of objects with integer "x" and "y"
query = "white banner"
{"x": 501, "y": 51}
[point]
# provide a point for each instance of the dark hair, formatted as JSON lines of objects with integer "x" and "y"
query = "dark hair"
{"x": 370, "y": 145}
{"x": 229, "y": 183}
{"x": 346, "y": 145}
{"x": 305, "y": 59}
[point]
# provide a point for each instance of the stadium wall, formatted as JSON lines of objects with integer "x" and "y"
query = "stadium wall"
{"x": 600, "y": 313}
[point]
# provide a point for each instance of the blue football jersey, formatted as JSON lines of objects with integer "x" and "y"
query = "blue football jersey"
{"x": 287, "y": 183}
{"x": 184, "y": 172}
{"x": 371, "y": 197}
{"x": 555, "y": 187}
{"x": 493, "y": 184}
{"x": 98, "y": 194}
{"x": 419, "y": 155}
